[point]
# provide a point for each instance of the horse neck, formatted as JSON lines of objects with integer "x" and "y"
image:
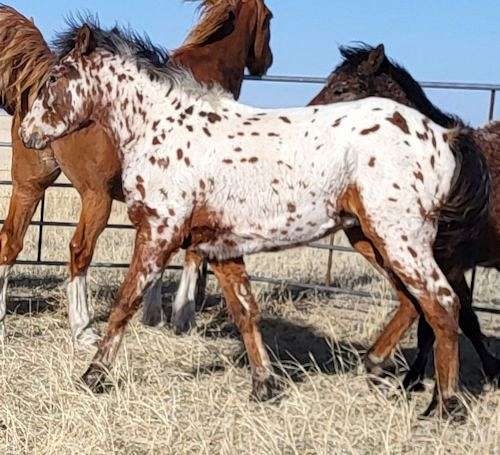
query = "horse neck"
{"x": 222, "y": 61}
{"x": 410, "y": 93}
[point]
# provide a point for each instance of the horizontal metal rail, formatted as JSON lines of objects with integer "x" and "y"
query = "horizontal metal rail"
{"x": 425, "y": 84}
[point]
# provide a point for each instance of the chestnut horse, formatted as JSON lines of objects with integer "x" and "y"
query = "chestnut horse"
{"x": 231, "y": 35}
{"x": 366, "y": 72}
{"x": 229, "y": 179}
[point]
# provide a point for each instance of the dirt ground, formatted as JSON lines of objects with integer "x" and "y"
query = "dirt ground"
{"x": 190, "y": 394}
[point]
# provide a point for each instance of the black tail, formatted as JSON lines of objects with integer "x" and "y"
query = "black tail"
{"x": 464, "y": 215}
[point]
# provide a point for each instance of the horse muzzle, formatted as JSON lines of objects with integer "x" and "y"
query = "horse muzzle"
{"x": 34, "y": 140}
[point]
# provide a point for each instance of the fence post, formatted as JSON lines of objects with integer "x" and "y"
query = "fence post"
{"x": 40, "y": 229}
{"x": 329, "y": 264}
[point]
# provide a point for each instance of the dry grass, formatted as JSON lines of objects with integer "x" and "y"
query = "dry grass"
{"x": 190, "y": 394}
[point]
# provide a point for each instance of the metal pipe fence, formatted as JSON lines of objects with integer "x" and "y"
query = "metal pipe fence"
{"x": 330, "y": 246}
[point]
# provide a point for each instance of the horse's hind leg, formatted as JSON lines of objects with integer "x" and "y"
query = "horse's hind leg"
{"x": 469, "y": 324}
{"x": 148, "y": 263}
{"x": 376, "y": 360}
{"x": 235, "y": 285}
{"x": 421, "y": 275}
{"x": 404, "y": 237}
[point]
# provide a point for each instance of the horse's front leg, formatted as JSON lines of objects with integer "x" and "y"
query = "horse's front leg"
{"x": 32, "y": 173}
{"x": 96, "y": 207}
{"x": 191, "y": 290}
{"x": 148, "y": 262}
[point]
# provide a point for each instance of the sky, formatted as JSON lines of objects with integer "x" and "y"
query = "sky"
{"x": 436, "y": 40}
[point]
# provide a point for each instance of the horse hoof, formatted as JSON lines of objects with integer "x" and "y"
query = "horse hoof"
{"x": 154, "y": 316}
{"x": 87, "y": 340}
{"x": 416, "y": 387}
{"x": 182, "y": 322}
{"x": 95, "y": 378}
{"x": 492, "y": 374}
{"x": 412, "y": 382}
{"x": 264, "y": 390}
{"x": 382, "y": 368}
{"x": 451, "y": 409}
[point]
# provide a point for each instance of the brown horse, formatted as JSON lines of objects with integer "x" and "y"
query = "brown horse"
{"x": 365, "y": 72}
{"x": 232, "y": 35}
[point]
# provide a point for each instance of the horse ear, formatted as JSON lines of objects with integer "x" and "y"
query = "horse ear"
{"x": 374, "y": 62}
{"x": 261, "y": 49}
{"x": 85, "y": 40}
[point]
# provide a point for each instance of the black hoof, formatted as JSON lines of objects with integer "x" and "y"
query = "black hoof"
{"x": 154, "y": 316}
{"x": 451, "y": 409}
{"x": 96, "y": 379}
{"x": 492, "y": 374}
{"x": 417, "y": 387}
{"x": 264, "y": 390}
{"x": 182, "y": 328}
{"x": 413, "y": 382}
{"x": 183, "y": 321}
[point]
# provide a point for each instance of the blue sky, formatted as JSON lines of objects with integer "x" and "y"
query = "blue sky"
{"x": 436, "y": 40}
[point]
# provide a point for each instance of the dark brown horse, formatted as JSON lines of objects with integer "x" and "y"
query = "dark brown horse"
{"x": 365, "y": 72}
{"x": 232, "y": 35}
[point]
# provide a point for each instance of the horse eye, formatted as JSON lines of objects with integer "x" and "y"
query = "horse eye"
{"x": 338, "y": 91}
{"x": 52, "y": 79}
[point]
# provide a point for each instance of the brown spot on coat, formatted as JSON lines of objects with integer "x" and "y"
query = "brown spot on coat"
{"x": 285, "y": 119}
{"x": 369, "y": 130}
{"x": 371, "y": 163}
{"x": 398, "y": 120}
{"x": 412, "y": 252}
{"x": 179, "y": 154}
{"x": 418, "y": 175}
{"x": 213, "y": 117}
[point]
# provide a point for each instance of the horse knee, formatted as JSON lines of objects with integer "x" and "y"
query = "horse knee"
{"x": 80, "y": 258}
{"x": 9, "y": 248}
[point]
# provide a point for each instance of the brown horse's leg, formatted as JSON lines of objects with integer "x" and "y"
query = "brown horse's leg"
{"x": 32, "y": 172}
{"x": 235, "y": 285}
{"x": 184, "y": 304}
{"x": 147, "y": 265}
{"x": 469, "y": 324}
{"x": 379, "y": 353}
{"x": 96, "y": 207}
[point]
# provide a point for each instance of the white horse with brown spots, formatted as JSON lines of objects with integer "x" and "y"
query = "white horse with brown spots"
{"x": 200, "y": 169}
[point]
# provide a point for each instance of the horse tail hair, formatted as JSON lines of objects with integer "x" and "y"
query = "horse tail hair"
{"x": 465, "y": 213}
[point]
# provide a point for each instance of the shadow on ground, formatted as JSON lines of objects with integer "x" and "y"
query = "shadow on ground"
{"x": 23, "y": 301}
{"x": 297, "y": 348}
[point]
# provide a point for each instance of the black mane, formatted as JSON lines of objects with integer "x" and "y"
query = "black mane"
{"x": 117, "y": 40}
{"x": 356, "y": 55}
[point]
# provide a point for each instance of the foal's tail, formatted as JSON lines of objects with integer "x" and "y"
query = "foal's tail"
{"x": 465, "y": 213}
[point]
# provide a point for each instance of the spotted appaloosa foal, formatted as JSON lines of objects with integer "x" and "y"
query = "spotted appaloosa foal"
{"x": 230, "y": 180}
{"x": 461, "y": 242}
